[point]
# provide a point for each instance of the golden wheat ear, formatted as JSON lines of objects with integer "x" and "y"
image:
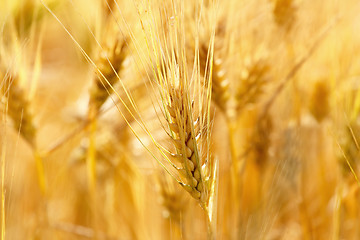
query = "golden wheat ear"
{"x": 191, "y": 156}
{"x": 19, "y": 109}
{"x": 110, "y": 63}
{"x": 185, "y": 134}
{"x": 172, "y": 198}
{"x": 184, "y": 99}
{"x": 186, "y": 107}
{"x": 254, "y": 78}
{"x": 284, "y": 13}
{"x": 319, "y": 101}
{"x": 220, "y": 82}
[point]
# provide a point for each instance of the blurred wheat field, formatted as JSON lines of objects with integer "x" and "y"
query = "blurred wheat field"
{"x": 134, "y": 119}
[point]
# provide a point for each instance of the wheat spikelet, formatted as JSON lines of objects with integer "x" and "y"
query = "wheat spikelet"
{"x": 220, "y": 85}
{"x": 319, "y": 101}
{"x": 108, "y": 7}
{"x": 261, "y": 139}
{"x": 253, "y": 80}
{"x": 220, "y": 82}
{"x": 174, "y": 203}
{"x": 284, "y": 13}
{"x": 109, "y": 62}
{"x": 189, "y": 132}
{"x": 185, "y": 133}
{"x": 19, "y": 109}
{"x": 27, "y": 16}
{"x": 173, "y": 200}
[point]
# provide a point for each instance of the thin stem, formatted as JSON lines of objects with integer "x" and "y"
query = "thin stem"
{"x": 175, "y": 229}
{"x": 210, "y": 227}
{"x": 3, "y": 156}
{"x": 40, "y": 173}
{"x": 42, "y": 182}
{"x": 91, "y": 164}
{"x": 234, "y": 170}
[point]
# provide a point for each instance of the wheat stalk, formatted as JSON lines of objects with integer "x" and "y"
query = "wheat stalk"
{"x": 3, "y": 158}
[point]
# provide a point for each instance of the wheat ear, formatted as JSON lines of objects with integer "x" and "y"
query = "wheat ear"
{"x": 284, "y": 13}
{"x": 220, "y": 82}
{"x": 319, "y": 101}
{"x": 110, "y": 63}
{"x": 185, "y": 135}
{"x": 191, "y": 157}
{"x": 185, "y": 90}
{"x": 19, "y": 110}
{"x": 254, "y": 77}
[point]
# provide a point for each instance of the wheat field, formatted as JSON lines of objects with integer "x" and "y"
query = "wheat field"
{"x": 179, "y": 119}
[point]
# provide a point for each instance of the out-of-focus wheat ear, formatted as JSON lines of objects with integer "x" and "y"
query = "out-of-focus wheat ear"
{"x": 18, "y": 109}
{"x": 284, "y": 13}
{"x": 261, "y": 139}
{"x": 220, "y": 83}
{"x": 254, "y": 77}
{"x": 109, "y": 62}
{"x": 29, "y": 14}
{"x": 108, "y": 7}
{"x": 320, "y": 101}
{"x": 174, "y": 203}
{"x": 171, "y": 198}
